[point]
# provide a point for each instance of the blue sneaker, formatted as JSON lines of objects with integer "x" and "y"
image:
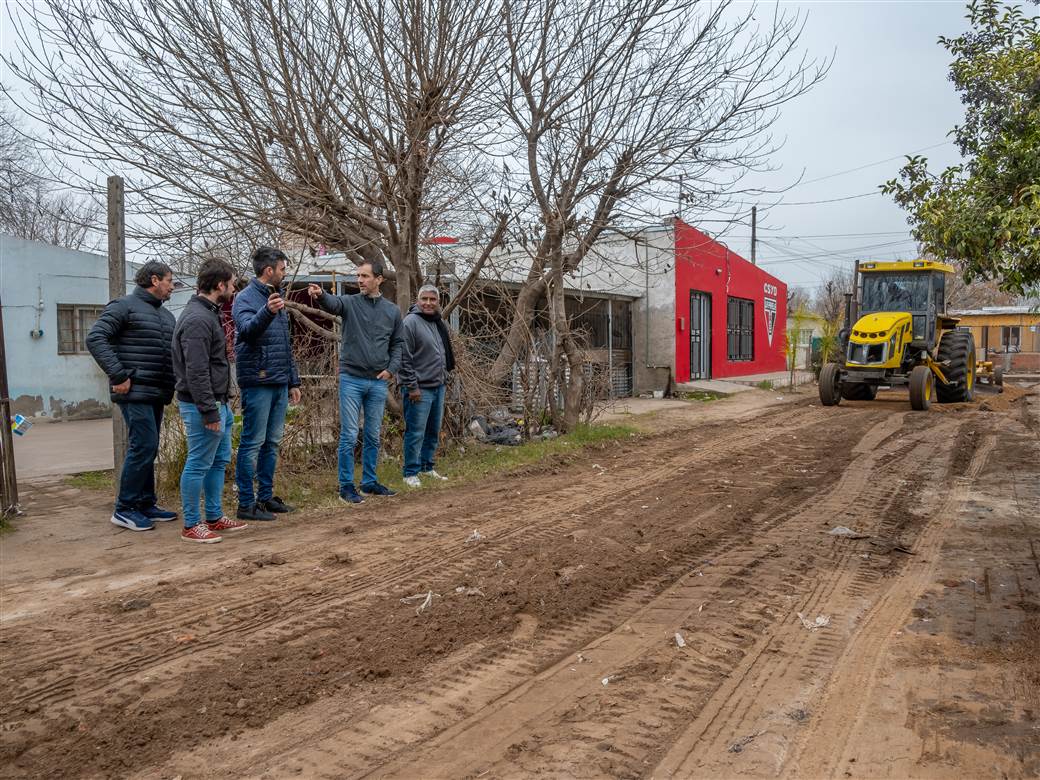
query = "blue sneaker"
{"x": 348, "y": 495}
{"x": 158, "y": 514}
{"x": 375, "y": 489}
{"x": 133, "y": 520}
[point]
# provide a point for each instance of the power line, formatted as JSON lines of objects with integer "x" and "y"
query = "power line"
{"x": 830, "y": 200}
{"x": 871, "y": 165}
{"x": 831, "y": 254}
{"x": 781, "y": 236}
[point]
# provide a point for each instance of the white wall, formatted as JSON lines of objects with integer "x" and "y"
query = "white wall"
{"x": 35, "y": 278}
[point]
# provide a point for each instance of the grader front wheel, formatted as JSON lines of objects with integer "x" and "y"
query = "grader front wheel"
{"x": 922, "y": 384}
{"x": 830, "y": 384}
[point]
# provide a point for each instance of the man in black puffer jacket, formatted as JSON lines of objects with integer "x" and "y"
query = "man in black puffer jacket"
{"x": 131, "y": 341}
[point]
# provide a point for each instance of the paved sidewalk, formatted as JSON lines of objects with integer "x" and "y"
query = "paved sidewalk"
{"x": 56, "y": 448}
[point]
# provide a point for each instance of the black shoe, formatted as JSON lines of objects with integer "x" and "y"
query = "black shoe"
{"x": 277, "y": 506}
{"x": 375, "y": 489}
{"x": 254, "y": 512}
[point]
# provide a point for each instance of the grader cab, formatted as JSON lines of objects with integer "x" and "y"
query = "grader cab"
{"x": 897, "y": 332}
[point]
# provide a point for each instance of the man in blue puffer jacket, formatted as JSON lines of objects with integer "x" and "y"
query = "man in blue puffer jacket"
{"x": 269, "y": 381}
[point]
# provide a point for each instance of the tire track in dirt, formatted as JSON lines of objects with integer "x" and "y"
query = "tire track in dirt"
{"x": 754, "y": 705}
{"x": 855, "y": 673}
{"x": 614, "y": 609}
{"x": 539, "y": 712}
{"x": 473, "y": 682}
{"x": 499, "y": 527}
{"x": 545, "y": 524}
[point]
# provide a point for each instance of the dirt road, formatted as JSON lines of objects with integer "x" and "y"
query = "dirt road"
{"x": 672, "y": 605}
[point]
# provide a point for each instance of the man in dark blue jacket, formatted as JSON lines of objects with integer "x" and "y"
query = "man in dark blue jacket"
{"x": 373, "y": 340}
{"x": 269, "y": 381}
{"x": 131, "y": 342}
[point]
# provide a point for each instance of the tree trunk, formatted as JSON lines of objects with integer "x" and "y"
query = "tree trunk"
{"x": 526, "y": 300}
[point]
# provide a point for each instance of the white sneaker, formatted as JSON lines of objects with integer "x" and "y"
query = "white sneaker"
{"x": 433, "y": 475}
{"x": 412, "y": 482}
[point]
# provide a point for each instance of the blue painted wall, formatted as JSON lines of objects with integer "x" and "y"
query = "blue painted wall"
{"x": 35, "y": 278}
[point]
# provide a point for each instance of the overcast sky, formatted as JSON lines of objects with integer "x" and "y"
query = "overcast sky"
{"x": 886, "y": 95}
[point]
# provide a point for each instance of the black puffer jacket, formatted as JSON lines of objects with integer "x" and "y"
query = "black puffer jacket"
{"x": 200, "y": 360}
{"x": 132, "y": 339}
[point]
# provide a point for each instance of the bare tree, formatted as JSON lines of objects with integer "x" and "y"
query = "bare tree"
{"x": 974, "y": 295}
{"x": 323, "y": 121}
{"x": 613, "y": 103}
{"x": 33, "y": 208}
{"x": 829, "y": 300}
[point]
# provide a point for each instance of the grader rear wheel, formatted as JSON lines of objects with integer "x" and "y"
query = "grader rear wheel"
{"x": 957, "y": 354}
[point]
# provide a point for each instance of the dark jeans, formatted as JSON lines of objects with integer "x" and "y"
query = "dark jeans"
{"x": 263, "y": 422}
{"x": 422, "y": 433}
{"x": 137, "y": 481}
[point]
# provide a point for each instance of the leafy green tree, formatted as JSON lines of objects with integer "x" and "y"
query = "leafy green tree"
{"x": 984, "y": 214}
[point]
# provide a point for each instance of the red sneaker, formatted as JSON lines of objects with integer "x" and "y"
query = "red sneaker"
{"x": 225, "y": 524}
{"x": 199, "y": 533}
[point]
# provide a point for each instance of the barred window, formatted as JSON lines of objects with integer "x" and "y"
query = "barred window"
{"x": 740, "y": 329}
{"x": 74, "y": 322}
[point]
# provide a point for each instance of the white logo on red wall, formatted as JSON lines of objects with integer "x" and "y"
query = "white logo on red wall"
{"x": 769, "y": 306}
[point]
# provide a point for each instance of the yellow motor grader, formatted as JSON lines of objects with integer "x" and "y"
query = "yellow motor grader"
{"x": 897, "y": 332}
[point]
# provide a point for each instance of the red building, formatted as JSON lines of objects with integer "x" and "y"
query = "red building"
{"x": 730, "y": 316}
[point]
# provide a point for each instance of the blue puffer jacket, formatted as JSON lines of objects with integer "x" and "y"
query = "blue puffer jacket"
{"x": 263, "y": 352}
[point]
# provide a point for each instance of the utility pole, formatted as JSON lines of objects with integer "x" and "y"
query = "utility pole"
{"x": 8, "y": 477}
{"x": 855, "y": 292}
{"x": 754, "y": 232}
{"x": 117, "y": 289}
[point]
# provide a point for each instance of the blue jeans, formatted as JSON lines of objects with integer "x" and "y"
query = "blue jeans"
{"x": 263, "y": 422}
{"x": 137, "y": 479}
{"x": 357, "y": 393}
{"x": 422, "y": 420}
{"x": 209, "y": 453}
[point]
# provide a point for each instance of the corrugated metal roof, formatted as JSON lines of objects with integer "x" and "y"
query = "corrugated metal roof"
{"x": 996, "y": 310}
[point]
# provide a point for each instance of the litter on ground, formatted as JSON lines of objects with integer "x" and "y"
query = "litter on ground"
{"x": 814, "y": 625}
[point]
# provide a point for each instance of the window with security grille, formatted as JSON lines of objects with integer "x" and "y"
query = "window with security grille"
{"x": 740, "y": 329}
{"x": 74, "y": 323}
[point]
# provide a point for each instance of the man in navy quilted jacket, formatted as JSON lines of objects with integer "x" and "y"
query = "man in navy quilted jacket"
{"x": 269, "y": 381}
{"x": 131, "y": 341}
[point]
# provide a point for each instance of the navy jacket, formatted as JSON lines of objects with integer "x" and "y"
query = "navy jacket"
{"x": 263, "y": 352}
{"x": 132, "y": 340}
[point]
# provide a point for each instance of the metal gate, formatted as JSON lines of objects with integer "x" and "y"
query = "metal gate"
{"x": 700, "y": 335}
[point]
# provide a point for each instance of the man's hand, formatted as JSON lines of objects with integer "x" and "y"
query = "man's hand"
{"x": 295, "y": 395}
{"x": 415, "y": 395}
{"x": 213, "y": 426}
{"x": 122, "y": 389}
{"x": 385, "y": 375}
{"x": 314, "y": 290}
{"x": 275, "y": 303}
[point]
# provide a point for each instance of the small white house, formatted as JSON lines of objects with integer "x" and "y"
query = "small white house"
{"x": 51, "y": 297}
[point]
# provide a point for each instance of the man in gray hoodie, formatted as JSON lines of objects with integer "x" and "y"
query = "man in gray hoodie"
{"x": 427, "y": 359}
{"x": 370, "y": 355}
